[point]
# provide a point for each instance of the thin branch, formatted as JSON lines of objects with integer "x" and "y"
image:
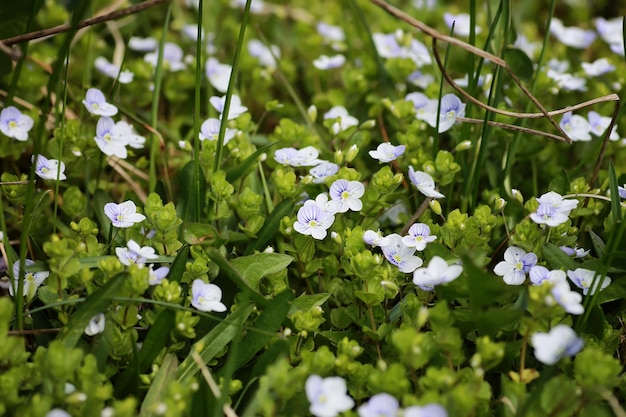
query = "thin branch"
{"x": 215, "y": 389}
{"x": 435, "y": 35}
{"x": 84, "y": 23}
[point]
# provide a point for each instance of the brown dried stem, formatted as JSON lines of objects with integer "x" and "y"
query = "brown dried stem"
{"x": 435, "y": 35}
{"x": 83, "y": 23}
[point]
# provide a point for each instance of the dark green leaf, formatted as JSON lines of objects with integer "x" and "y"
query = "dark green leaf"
{"x": 598, "y": 244}
{"x": 179, "y": 264}
{"x": 267, "y": 324}
{"x": 190, "y": 205}
{"x": 96, "y": 303}
{"x": 616, "y": 207}
{"x": 484, "y": 289}
{"x": 557, "y": 259}
{"x": 213, "y": 342}
{"x": 235, "y": 173}
{"x": 270, "y": 226}
{"x": 159, "y": 386}
{"x": 519, "y": 62}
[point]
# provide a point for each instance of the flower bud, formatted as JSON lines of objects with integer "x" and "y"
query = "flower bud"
{"x": 368, "y": 124}
{"x": 500, "y": 204}
{"x": 312, "y": 112}
{"x": 463, "y": 146}
{"x": 352, "y": 153}
{"x": 429, "y": 168}
{"x": 517, "y": 195}
{"x": 339, "y": 157}
{"x": 435, "y": 207}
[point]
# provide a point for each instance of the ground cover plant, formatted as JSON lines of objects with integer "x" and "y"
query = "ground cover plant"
{"x": 277, "y": 208}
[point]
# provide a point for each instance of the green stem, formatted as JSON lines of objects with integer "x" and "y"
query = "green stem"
{"x": 158, "y": 75}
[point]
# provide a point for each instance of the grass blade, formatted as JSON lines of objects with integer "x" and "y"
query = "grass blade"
{"x": 213, "y": 343}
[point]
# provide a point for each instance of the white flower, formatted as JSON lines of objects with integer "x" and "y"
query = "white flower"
{"x": 96, "y": 325}
{"x": 428, "y": 410}
{"x": 57, "y": 412}
{"x": 325, "y": 62}
{"x": 14, "y": 124}
{"x": 135, "y": 254}
{"x": 425, "y": 108}
{"x": 345, "y": 120}
{"x": 568, "y": 299}
{"x": 418, "y": 237}
{"x": 567, "y": 82}
{"x": 322, "y": 171}
{"x": 32, "y": 281}
{"x": 576, "y": 127}
{"x": 380, "y": 405}
{"x": 313, "y": 220}
{"x": 328, "y": 396}
{"x": 424, "y": 183}
{"x": 206, "y": 297}
{"x": 210, "y": 130}
{"x": 461, "y": 23}
{"x": 123, "y": 215}
{"x": 610, "y": 30}
{"x": 345, "y": 195}
{"x": 125, "y": 130}
{"x": 375, "y": 238}
{"x": 109, "y": 139}
{"x": 330, "y": 33}
{"x": 584, "y": 278}
{"x": 155, "y": 276}
{"x": 401, "y": 255}
{"x": 142, "y": 44}
{"x": 451, "y": 108}
{"x": 235, "y": 110}
{"x": 172, "y": 57}
{"x": 539, "y": 274}
{"x": 95, "y": 103}
{"x": 571, "y": 36}
{"x": 218, "y": 74}
{"x": 386, "y": 152}
{"x": 264, "y": 54}
{"x": 436, "y": 273}
{"x": 516, "y": 264}
{"x": 113, "y": 71}
{"x": 558, "y": 202}
{"x": 576, "y": 252}
{"x": 560, "y": 342}
{"x": 548, "y": 215}
{"x": 48, "y": 169}
{"x": 598, "y": 67}
{"x": 306, "y": 157}
{"x": 599, "y": 124}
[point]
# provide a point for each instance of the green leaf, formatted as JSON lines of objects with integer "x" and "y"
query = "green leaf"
{"x": 233, "y": 273}
{"x": 306, "y": 302}
{"x": 484, "y": 289}
{"x": 188, "y": 204}
{"x": 270, "y": 226}
{"x": 557, "y": 259}
{"x": 598, "y": 244}
{"x": 236, "y": 172}
{"x": 519, "y": 62}
{"x": 100, "y": 198}
{"x": 267, "y": 324}
{"x": 179, "y": 264}
{"x": 616, "y": 207}
{"x": 96, "y": 303}
{"x": 213, "y": 342}
{"x": 254, "y": 267}
{"x": 158, "y": 388}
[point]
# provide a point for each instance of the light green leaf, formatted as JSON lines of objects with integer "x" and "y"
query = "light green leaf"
{"x": 306, "y": 302}
{"x": 164, "y": 377}
{"x": 254, "y": 267}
